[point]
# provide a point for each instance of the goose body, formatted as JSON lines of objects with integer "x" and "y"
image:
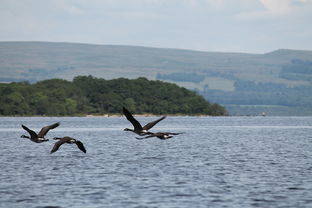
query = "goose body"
{"x": 68, "y": 140}
{"x": 160, "y": 135}
{"x": 38, "y": 138}
{"x": 138, "y": 129}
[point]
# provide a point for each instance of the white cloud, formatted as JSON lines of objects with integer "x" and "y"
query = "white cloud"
{"x": 67, "y": 8}
{"x": 275, "y": 9}
{"x": 278, "y": 7}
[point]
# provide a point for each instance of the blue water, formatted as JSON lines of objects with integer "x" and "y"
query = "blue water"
{"x": 217, "y": 162}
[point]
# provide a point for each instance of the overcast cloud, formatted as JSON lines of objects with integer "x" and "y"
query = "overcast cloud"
{"x": 255, "y": 26}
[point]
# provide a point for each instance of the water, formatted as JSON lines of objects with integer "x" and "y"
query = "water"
{"x": 217, "y": 162}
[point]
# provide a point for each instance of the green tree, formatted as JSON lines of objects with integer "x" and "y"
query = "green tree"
{"x": 130, "y": 104}
{"x": 70, "y": 106}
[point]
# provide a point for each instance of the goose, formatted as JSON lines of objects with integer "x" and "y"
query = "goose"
{"x": 68, "y": 140}
{"x": 38, "y": 138}
{"x": 160, "y": 135}
{"x": 138, "y": 129}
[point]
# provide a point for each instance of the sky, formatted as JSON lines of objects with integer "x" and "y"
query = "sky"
{"x": 250, "y": 26}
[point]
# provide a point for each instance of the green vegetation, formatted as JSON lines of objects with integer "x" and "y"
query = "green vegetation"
{"x": 89, "y": 95}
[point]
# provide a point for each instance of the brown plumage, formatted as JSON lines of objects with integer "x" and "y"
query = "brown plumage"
{"x": 67, "y": 140}
{"x": 138, "y": 129}
{"x": 38, "y": 138}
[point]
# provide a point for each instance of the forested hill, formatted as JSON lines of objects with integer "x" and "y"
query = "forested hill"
{"x": 97, "y": 96}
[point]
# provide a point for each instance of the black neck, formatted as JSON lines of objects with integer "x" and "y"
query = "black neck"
{"x": 56, "y": 138}
{"x": 126, "y": 129}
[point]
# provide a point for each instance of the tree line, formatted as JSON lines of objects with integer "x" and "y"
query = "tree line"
{"x": 89, "y": 95}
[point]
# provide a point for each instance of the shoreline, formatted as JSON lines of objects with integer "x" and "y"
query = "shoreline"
{"x": 115, "y": 115}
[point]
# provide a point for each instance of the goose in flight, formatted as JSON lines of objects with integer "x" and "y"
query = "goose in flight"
{"x": 67, "y": 140}
{"x": 38, "y": 138}
{"x": 138, "y": 129}
{"x": 160, "y": 135}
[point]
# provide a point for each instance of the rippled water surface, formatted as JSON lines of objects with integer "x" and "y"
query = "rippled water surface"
{"x": 217, "y": 162}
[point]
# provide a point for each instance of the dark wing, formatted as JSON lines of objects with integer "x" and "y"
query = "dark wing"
{"x": 80, "y": 146}
{"x": 57, "y": 145}
{"x": 171, "y": 133}
{"x": 130, "y": 118}
{"x": 151, "y": 124}
{"x": 141, "y": 138}
{"x": 31, "y": 132}
{"x": 149, "y": 136}
{"x": 45, "y": 129}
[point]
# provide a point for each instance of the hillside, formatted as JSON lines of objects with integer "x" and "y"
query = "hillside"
{"x": 236, "y": 80}
{"x": 89, "y": 95}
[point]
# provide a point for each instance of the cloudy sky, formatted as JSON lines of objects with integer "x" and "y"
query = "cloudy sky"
{"x": 253, "y": 26}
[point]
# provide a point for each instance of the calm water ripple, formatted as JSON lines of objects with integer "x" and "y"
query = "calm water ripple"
{"x": 217, "y": 162}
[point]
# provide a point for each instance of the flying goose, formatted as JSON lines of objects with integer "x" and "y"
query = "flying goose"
{"x": 160, "y": 135}
{"x": 138, "y": 129}
{"x": 38, "y": 138}
{"x": 67, "y": 140}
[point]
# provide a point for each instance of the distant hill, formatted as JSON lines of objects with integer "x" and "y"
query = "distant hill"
{"x": 278, "y": 82}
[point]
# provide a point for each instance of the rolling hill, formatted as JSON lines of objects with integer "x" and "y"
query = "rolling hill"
{"x": 278, "y": 82}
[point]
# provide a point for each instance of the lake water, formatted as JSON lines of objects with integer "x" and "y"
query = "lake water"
{"x": 217, "y": 162}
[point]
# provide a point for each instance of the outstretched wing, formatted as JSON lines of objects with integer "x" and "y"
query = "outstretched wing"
{"x": 151, "y": 124}
{"x": 130, "y": 118}
{"x": 141, "y": 138}
{"x": 57, "y": 145}
{"x": 171, "y": 133}
{"x": 45, "y": 129}
{"x": 81, "y": 147}
{"x": 146, "y": 137}
{"x": 31, "y": 132}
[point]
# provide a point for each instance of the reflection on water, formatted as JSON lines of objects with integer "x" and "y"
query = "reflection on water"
{"x": 217, "y": 162}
